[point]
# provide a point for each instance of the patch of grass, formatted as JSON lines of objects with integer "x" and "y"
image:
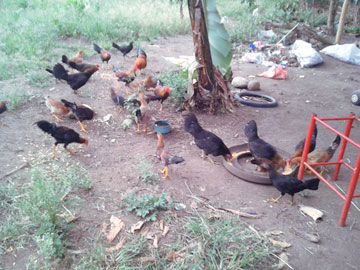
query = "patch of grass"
{"x": 225, "y": 243}
{"x": 17, "y": 96}
{"x": 147, "y": 206}
{"x": 144, "y": 167}
{"x": 33, "y": 34}
{"x": 40, "y": 209}
{"x": 124, "y": 259}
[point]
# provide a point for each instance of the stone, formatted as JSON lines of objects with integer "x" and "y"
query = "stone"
{"x": 240, "y": 82}
{"x": 253, "y": 85}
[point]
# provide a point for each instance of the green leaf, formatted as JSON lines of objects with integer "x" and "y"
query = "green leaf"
{"x": 219, "y": 39}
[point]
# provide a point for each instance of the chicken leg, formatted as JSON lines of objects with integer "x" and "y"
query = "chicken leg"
{"x": 275, "y": 200}
{"x": 161, "y": 108}
{"x": 165, "y": 171}
{"x": 54, "y": 152}
{"x": 57, "y": 117}
{"x": 83, "y": 128}
{"x": 69, "y": 151}
{"x": 138, "y": 128}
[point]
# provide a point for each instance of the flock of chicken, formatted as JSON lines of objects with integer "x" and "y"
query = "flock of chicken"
{"x": 264, "y": 154}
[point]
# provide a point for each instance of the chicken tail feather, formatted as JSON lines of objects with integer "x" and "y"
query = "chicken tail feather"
{"x": 46, "y": 126}
{"x": 64, "y": 59}
{"x": 312, "y": 184}
{"x": 97, "y": 48}
{"x": 60, "y": 72}
{"x": 176, "y": 160}
{"x": 115, "y": 46}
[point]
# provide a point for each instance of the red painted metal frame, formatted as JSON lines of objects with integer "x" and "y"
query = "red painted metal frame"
{"x": 356, "y": 170}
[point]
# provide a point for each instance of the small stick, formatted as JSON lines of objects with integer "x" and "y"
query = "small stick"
{"x": 292, "y": 29}
{"x": 26, "y": 164}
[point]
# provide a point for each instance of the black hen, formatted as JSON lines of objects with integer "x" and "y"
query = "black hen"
{"x": 80, "y": 112}
{"x": 290, "y": 185}
{"x": 61, "y": 134}
{"x": 206, "y": 140}
{"x": 262, "y": 151}
{"x": 75, "y": 81}
{"x": 124, "y": 49}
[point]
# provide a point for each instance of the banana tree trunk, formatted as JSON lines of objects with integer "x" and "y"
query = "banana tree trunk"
{"x": 211, "y": 90}
{"x": 331, "y": 18}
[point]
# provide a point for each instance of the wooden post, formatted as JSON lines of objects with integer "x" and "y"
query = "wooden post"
{"x": 342, "y": 21}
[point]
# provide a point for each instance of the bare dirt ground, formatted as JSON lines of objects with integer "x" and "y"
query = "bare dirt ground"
{"x": 111, "y": 154}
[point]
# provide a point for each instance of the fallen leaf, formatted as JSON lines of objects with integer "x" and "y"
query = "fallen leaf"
{"x": 137, "y": 226}
{"x": 276, "y": 232}
{"x": 118, "y": 246}
{"x": 116, "y": 226}
{"x": 279, "y": 243}
{"x": 165, "y": 231}
{"x": 156, "y": 241}
{"x": 172, "y": 255}
{"x": 147, "y": 259}
{"x": 161, "y": 225}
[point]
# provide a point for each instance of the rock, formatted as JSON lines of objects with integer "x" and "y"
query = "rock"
{"x": 253, "y": 85}
{"x": 240, "y": 82}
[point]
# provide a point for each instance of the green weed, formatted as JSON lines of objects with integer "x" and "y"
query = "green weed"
{"x": 147, "y": 206}
{"x": 144, "y": 168}
{"x": 178, "y": 83}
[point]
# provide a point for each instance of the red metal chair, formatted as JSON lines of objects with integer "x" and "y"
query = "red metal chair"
{"x": 356, "y": 170}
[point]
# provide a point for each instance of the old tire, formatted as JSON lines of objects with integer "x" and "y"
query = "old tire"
{"x": 355, "y": 97}
{"x": 267, "y": 102}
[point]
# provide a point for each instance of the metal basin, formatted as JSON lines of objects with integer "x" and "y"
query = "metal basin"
{"x": 244, "y": 169}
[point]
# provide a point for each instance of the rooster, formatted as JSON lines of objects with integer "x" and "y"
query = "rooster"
{"x": 143, "y": 114}
{"x": 319, "y": 155}
{"x": 126, "y": 77}
{"x": 161, "y": 93}
{"x": 3, "y": 108}
{"x": 62, "y": 135}
{"x": 124, "y": 49}
{"x": 140, "y": 62}
{"x": 300, "y": 146}
{"x": 81, "y": 112}
{"x": 163, "y": 154}
{"x": 104, "y": 55}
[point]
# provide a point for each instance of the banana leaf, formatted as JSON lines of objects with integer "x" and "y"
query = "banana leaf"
{"x": 219, "y": 38}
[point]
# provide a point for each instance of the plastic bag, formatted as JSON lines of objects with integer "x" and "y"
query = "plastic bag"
{"x": 256, "y": 58}
{"x": 347, "y": 52}
{"x": 305, "y": 54}
{"x": 277, "y": 73}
